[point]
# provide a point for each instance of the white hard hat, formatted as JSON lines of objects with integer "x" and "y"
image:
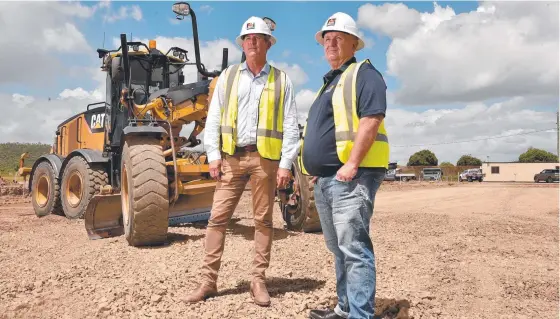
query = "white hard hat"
{"x": 342, "y": 22}
{"x": 254, "y": 25}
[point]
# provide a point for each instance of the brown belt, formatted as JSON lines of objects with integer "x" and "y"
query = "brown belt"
{"x": 248, "y": 148}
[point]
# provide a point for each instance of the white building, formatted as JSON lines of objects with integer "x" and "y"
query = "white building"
{"x": 513, "y": 172}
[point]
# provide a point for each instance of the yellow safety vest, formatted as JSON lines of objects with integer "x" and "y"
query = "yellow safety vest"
{"x": 346, "y": 122}
{"x": 271, "y": 113}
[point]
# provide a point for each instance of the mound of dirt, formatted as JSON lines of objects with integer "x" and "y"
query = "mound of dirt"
{"x": 13, "y": 190}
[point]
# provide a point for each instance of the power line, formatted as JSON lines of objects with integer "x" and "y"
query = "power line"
{"x": 479, "y": 139}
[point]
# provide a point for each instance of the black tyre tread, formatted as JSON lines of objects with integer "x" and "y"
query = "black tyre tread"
{"x": 57, "y": 206}
{"x": 150, "y": 203}
{"x": 310, "y": 222}
{"x": 97, "y": 177}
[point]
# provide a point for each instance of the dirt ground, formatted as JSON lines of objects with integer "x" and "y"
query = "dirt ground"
{"x": 474, "y": 250}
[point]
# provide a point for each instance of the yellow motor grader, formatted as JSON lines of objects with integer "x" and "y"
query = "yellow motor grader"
{"x": 120, "y": 164}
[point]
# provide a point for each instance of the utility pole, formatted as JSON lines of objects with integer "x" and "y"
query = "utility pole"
{"x": 558, "y": 134}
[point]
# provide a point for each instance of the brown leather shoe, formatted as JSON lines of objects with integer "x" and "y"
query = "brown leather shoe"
{"x": 259, "y": 293}
{"x": 201, "y": 293}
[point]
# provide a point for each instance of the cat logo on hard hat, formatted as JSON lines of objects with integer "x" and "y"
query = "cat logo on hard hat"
{"x": 331, "y": 22}
{"x": 250, "y": 25}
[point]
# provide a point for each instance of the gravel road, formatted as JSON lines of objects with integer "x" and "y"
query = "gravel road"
{"x": 476, "y": 250}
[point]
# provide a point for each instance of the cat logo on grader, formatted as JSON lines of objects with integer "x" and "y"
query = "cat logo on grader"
{"x": 97, "y": 121}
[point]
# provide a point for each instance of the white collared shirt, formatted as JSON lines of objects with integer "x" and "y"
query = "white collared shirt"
{"x": 249, "y": 92}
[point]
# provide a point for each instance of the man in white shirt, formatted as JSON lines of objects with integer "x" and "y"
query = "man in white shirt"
{"x": 251, "y": 134}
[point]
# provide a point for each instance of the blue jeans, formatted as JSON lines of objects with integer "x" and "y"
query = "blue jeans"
{"x": 345, "y": 210}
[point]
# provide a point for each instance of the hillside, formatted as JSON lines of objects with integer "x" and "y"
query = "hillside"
{"x": 11, "y": 152}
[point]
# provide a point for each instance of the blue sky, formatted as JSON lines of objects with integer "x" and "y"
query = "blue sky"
{"x": 455, "y": 71}
{"x": 297, "y": 23}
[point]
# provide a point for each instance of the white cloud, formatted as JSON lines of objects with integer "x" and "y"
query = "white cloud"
{"x": 81, "y": 94}
{"x": 22, "y": 100}
{"x": 304, "y": 99}
{"x": 501, "y": 50}
{"x": 136, "y": 13}
{"x": 124, "y": 12}
{"x": 66, "y": 38}
{"x": 294, "y": 72}
{"x": 206, "y": 8}
{"x": 37, "y": 31}
{"x": 29, "y": 119}
{"x": 104, "y": 4}
{"x": 394, "y": 20}
{"x": 368, "y": 42}
{"x": 78, "y": 10}
{"x": 474, "y": 121}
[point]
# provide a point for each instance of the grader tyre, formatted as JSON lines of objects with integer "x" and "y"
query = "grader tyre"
{"x": 80, "y": 181}
{"x": 306, "y": 217}
{"x": 144, "y": 194}
{"x": 45, "y": 191}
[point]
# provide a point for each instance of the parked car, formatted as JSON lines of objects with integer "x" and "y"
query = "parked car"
{"x": 547, "y": 175}
{"x": 432, "y": 174}
{"x": 396, "y": 175}
{"x": 473, "y": 174}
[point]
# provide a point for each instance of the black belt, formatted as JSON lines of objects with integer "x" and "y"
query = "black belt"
{"x": 248, "y": 148}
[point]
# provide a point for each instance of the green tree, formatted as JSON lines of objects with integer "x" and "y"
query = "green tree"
{"x": 423, "y": 158}
{"x": 446, "y": 164}
{"x": 467, "y": 160}
{"x": 535, "y": 155}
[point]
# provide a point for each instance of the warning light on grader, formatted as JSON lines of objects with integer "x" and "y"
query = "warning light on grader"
{"x": 152, "y": 44}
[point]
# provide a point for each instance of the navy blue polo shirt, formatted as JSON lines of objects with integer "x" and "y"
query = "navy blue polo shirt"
{"x": 319, "y": 149}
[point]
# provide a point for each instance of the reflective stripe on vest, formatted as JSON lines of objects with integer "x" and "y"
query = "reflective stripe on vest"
{"x": 346, "y": 122}
{"x": 270, "y": 113}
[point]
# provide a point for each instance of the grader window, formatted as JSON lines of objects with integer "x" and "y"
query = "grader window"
{"x": 140, "y": 76}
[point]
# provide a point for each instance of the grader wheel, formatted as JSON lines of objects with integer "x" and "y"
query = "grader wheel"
{"x": 144, "y": 191}
{"x": 45, "y": 191}
{"x": 297, "y": 204}
{"x": 80, "y": 181}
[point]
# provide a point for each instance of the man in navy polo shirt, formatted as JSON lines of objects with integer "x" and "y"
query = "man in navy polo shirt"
{"x": 346, "y": 150}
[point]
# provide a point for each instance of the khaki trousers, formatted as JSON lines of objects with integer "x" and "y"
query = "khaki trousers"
{"x": 237, "y": 170}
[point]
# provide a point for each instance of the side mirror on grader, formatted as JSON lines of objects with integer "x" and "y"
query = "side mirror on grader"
{"x": 118, "y": 165}
{"x": 181, "y": 9}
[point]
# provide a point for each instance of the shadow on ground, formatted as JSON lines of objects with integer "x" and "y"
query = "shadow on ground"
{"x": 278, "y": 286}
{"x": 182, "y": 238}
{"x": 174, "y": 238}
{"x": 247, "y": 231}
{"x": 385, "y": 308}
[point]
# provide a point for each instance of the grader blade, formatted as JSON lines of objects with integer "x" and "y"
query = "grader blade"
{"x": 103, "y": 216}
